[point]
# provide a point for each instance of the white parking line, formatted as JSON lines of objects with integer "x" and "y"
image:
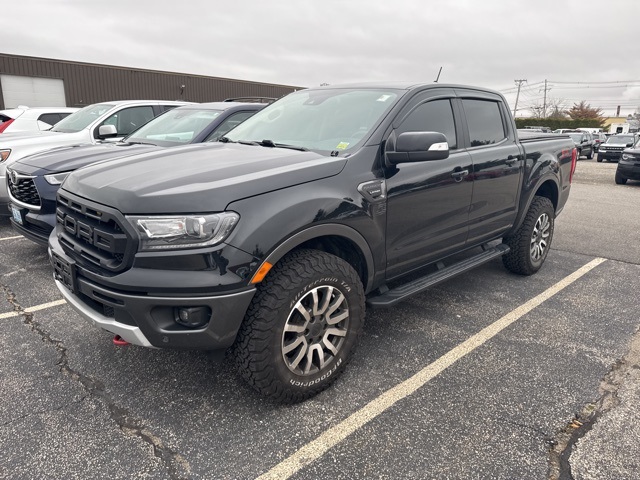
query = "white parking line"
{"x": 33, "y": 309}
{"x": 330, "y": 438}
{"x": 11, "y": 238}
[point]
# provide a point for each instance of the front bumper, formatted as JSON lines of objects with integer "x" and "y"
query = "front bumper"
{"x": 149, "y": 320}
{"x": 609, "y": 155}
{"x": 4, "y": 196}
{"x": 629, "y": 169}
{"x": 35, "y": 226}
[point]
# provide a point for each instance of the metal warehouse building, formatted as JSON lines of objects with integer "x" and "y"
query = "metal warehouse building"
{"x": 47, "y": 82}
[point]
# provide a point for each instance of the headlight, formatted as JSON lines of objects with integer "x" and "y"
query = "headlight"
{"x": 628, "y": 156}
{"x": 183, "y": 231}
{"x": 4, "y": 154}
{"x": 56, "y": 178}
{"x": 602, "y": 148}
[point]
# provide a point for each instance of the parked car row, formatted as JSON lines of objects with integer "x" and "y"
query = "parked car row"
{"x": 34, "y": 180}
{"x": 25, "y": 119}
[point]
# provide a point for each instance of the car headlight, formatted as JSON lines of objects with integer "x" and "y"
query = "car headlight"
{"x": 602, "y": 148}
{"x": 4, "y": 154}
{"x": 183, "y": 231}
{"x": 628, "y": 156}
{"x": 56, "y": 178}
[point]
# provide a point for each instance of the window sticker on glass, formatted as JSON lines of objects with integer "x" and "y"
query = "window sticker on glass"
{"x": 342, "y": 145}
{"x": 384, "y": 98}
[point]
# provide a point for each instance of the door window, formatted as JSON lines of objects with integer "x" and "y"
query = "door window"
{"x": 130, "y": 119}
{"x": 434, "y": 116}
{"x": 484, "y": 121}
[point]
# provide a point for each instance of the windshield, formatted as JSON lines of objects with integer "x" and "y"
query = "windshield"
{"x": 624, "y": 139}
{"x": 175, "y": 127}
{"x": 324, "y": 120}
{"x": 82, "y": 118}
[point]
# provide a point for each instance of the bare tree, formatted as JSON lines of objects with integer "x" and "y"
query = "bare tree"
{"x": 556, "y": 108}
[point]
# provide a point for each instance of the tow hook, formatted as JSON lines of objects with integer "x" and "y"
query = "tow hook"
{"x": 119, "y": 341}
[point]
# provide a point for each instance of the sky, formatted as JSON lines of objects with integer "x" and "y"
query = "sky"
{"x": 585, "y": 50}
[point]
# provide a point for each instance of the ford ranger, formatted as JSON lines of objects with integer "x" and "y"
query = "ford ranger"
{"x": 272, "y": 241}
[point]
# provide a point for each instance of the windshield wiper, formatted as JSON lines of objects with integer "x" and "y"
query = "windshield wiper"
{"x": 224, "y": 139}
{"x": 140, "y": 143}
{"x": 270, "y": 143}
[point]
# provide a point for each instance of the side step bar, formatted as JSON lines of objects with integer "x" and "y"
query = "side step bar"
{"x": 391, "y": 297}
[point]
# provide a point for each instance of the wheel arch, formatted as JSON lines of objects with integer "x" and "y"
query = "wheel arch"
{"x": 546, "y": 187}
{"x": 336, "y": 239}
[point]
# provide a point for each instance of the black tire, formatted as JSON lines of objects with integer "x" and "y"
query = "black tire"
{"x": 590, "y": 156}
{"x": 273, "y": 360}
{"x": 599, "y": 159}
{"x": 620, "y": 180}
{"x": 531, "y": 242}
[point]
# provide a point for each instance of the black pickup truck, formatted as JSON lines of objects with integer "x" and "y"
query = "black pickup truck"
{"x": 273, "y": 240}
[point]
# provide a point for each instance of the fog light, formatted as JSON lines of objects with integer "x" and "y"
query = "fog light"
{"x": 192, "y": 317}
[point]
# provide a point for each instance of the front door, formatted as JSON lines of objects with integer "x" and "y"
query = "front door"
{"x": 428, "y": 202}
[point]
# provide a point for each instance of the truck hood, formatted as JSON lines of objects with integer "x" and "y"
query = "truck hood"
{"x": 64, "y": 159}
{"x": 197, "y": 178}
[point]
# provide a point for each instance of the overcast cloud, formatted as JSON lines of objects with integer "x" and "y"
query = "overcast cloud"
{"x": 304, "y": 43}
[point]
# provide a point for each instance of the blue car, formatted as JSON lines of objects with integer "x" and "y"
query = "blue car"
{"x": 33, "y": 181}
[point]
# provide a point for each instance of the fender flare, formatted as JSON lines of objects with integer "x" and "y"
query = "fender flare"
{"x": 522, "y": 214}
{"x": 326, "y": 229}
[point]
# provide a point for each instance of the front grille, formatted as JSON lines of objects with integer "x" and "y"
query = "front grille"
{"x": 93, "y": 235}
{"x": 613, "y": 149}
{"x": 24, "y": 190}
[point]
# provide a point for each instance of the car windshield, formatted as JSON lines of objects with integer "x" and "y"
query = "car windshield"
{"x": 175, "y": 127}
{"x": 576, "y": 137}
{"x": 82, "y": 118}
{"x": 328, "y": 121}
{"x": 625, "y": 139}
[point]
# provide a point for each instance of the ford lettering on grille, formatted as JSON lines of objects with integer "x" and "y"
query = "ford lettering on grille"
{"x": 109, "y": 242}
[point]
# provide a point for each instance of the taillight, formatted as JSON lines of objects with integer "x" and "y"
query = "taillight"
{"x": 574, "y": 161}
{"x": 4, "y": 125}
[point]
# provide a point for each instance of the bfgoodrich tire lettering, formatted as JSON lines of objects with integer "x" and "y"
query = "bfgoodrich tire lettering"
{"x": 530, "y": 244}
{"x": 302, "y": 326}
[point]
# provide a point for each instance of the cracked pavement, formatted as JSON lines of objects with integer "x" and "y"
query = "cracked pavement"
{"x": 73, "y": 405}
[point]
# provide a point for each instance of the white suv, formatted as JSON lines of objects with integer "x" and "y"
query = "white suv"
{"x": 90, "y": 125}
{"x": 25, "y": 119}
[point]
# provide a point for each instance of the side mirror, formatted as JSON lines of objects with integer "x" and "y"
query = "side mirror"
{"x": 629, "y": 144}
{"x": 107, "y": 131}
{"x": 418, "y": 147}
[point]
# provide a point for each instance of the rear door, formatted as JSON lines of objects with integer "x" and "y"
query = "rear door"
{"x": 497, "y": 164}
{"x": 427, "y": 202}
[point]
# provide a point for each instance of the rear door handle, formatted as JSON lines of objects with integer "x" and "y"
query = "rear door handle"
{"x": 459, "y": 175}
{"x": 511, "y": 159}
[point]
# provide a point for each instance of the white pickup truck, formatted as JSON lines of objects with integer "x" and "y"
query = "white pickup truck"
{"x": 92, "y": 124}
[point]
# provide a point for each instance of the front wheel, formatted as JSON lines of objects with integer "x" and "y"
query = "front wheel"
{"x": 302, "y": 326}
{"x": 620, "y": 180}
{"x": 530, "y": 244}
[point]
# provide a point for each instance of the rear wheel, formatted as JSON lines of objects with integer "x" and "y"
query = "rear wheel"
{"x": 590, "y": 156}
{"x": 530, "y": 244}
{"x": 620, "y": 180}
{"x": 302, "y": 326}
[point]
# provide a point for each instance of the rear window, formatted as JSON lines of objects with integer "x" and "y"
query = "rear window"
{"x": 4, "y": 118}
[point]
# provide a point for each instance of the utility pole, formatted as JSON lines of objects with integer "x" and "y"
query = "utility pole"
{"x": 519, "y": 83}
{"x": 544, "y": 103}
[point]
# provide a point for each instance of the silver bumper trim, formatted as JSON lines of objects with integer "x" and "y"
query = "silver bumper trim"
{"x": 127, "y": 332}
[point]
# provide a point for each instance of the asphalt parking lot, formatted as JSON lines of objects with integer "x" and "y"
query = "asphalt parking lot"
{"x": 489, "y": 375}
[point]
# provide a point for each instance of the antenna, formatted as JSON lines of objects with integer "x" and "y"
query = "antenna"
{"x": 438, "y": 77}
